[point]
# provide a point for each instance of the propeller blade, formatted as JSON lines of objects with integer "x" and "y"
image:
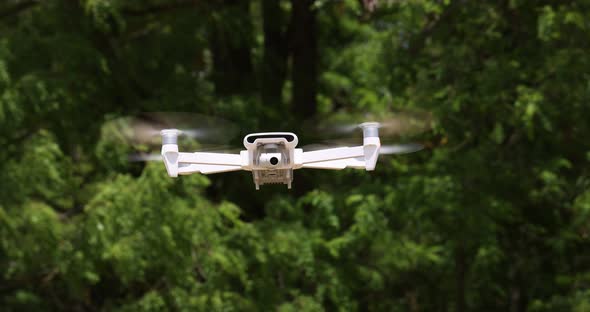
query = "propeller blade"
{"x": 144, "y": 128}
{"x": 139, "y": 137}
{"x": 397, "y": 149}
{"x": 144, "y": 157}
{"x": 392, "y": 125}
{"x": 386, "y": 149}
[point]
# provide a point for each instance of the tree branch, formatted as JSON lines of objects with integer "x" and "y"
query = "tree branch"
{"x": 163, "y": 8}
{"x": 368, "y": 5}
{"x": 19, "y": 139}
{"x": 21, "y": 6}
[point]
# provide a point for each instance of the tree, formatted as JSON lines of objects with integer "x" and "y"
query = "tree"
{"x": 305, "y": 58}
{"x": 492, "y": 215}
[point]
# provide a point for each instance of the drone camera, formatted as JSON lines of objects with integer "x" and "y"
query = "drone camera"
{"x": 274, "y": 161}
{"x": 270, "y": 160}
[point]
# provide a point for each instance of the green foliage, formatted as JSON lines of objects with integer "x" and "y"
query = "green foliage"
{"x": 491, "y": 216}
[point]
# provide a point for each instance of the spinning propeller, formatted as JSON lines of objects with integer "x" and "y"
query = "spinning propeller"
{"x": 270, "y": 156}
{"x": 201, "y": 133}
{"x": 347, "y": 129}
{"x": 386, "y": 149}
{"x": 143, "y": 133}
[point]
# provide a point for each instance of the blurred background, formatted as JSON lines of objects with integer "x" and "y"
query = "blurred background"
{"x": 493, "y": 215}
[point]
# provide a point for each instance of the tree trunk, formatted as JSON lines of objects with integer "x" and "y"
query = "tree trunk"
{"x": 460, "y": 276}
{"x": 304, "y": 49}
{"x": 274, "y": 64}
{"x": 412, "y": 299}
{"x": 518, "y": 300}
{"x": 230, "y": 38}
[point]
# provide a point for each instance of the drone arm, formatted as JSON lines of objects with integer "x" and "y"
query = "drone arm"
{"x": 364, "y": 156}
{"x": 332, "y": 154}
{"x": 371, "y": 147}
{"x": 187, "y": 163}
{"x": 357, "y": 163}
{"x": 206, "y": 169}
{"x": 333, "y": 158}
{"x": 361, "y": 157}
{"x": 210, "y": 159}
{"x": 206, "y": 163}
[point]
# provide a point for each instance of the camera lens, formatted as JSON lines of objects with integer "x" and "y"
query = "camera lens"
{"x": 274, "y": 161}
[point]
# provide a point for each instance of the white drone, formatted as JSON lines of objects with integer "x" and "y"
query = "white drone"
{"x": 272, "y": 156}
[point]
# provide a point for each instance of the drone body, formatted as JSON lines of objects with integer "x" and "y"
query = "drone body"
{"x": 271, "y": 156}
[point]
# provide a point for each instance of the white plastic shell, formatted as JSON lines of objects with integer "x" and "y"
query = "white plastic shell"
{"x": 271, "y": 157}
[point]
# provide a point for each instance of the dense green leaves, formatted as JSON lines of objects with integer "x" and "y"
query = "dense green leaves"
{"x": 492, "y": 215}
